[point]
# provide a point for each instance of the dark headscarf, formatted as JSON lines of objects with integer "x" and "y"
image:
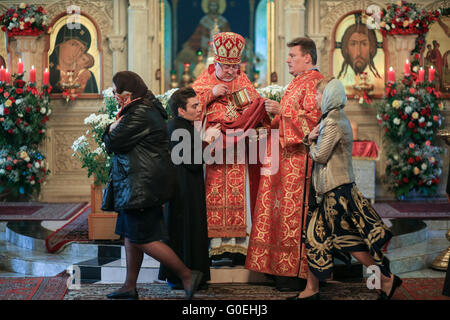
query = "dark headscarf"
{"x": 132, "y": 82}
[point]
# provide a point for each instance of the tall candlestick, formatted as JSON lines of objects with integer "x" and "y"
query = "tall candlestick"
{"x": 431, "y": 72}
{"x": 46, "y": 77}
{"x": 32, "y": 74}
{"x": 2, "y": 74}
{"x": 19, "y": 66}
{"x": 7, "y": 76}
{"x": 421, "y": 77}
{"x": 407, "y": 68}
{"x": 391, "y": 75}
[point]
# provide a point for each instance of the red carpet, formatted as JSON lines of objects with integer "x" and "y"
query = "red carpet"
{"x": 76, "y": 230}
{"x": 421, "y": 289}
{"x": 42, "y": 288}
{"x": 23, "y": 211}
{"x": 414, "y": 210}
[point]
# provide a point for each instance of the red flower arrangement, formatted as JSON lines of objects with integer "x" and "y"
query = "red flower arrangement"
{"x": 24, "y": 20}
{"x": 405, "y": 18}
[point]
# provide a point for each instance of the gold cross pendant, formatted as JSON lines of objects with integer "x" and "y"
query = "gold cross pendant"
{"x": 231, "y": 110}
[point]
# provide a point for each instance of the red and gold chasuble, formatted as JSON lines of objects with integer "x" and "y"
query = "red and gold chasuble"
{"x": 275, "y": 245}
{"x": 225, "y": 184}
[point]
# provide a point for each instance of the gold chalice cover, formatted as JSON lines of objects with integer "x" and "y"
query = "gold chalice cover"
{"x": 241, "y": 98}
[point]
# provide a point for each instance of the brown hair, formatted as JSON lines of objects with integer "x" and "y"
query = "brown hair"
{"x": 307, "y": 46}
{"x": 320, "y": 86}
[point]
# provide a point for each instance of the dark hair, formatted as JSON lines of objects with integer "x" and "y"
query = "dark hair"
{"x": 359, "y": 28}
{"x": 307, "y": 46}
{"x": 179, "y": 99}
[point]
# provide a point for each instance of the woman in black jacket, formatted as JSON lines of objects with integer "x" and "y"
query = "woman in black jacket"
{"x": 143, "y": 179}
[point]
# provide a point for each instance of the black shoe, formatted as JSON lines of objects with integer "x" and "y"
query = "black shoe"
{"x": 127, "y": 295}
{"x": 196, "y": 278}
{"x": 395, "y": 284}
{"x": 315, "y": 296}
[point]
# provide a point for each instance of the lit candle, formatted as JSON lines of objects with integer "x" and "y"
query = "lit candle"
{"x": 19, "y": 66}
{"x": 431, "y": 72}
{"x": 407, "y": 68}
{"x": 32, "y": 74}
{"x": 421, "y": 77}
{"x": 2, "y": 74}
{"x": 391, "y": 75}
{"x": 46, "y": 77}
{"x": 7, "y": 76}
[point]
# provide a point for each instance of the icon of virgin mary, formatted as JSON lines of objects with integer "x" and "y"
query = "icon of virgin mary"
{"x": 70, "y": 57}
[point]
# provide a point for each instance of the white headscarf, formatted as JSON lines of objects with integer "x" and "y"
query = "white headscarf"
{"x": 333, "y": 96}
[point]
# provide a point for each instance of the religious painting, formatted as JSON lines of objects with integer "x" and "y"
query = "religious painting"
{"x": 437, "y": 53}
{"x": 358, "y": 57}
{"x": 74, "y": 57}
{"x": 3, "y": 50}
{"x": 194, "y": 24}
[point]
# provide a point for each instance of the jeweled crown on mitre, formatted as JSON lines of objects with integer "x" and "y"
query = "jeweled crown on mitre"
{"x": 228, "y": 47}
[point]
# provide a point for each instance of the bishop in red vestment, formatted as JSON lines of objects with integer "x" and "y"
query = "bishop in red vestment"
{"x": 227, "y": 203}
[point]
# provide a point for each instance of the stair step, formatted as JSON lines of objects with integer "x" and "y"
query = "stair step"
{"x": 407, "y": 233}
{"x": 416, "y": 257}
{"x": 25, "y": 261}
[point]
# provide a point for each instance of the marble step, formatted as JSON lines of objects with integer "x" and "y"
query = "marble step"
{"x": 407, "y": 233}
{"x": 416, "y": 257}
{"x": 33, "y": 238}
{"x": 29, "y": 262}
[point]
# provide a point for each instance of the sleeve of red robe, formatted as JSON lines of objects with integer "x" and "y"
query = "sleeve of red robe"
{"x": 298, "y": 119}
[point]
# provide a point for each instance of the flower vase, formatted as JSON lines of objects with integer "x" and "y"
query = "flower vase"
{"x": 101, "y": 224}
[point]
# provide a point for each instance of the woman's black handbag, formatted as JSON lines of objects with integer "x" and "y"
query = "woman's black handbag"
{"x": 108, "y": 198}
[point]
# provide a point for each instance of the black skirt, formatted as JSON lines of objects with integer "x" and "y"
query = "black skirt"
{"x": 142, "y": 225}
{"x": 342, "y": 223}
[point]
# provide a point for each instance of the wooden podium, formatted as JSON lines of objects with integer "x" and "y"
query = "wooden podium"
{"x": 101, "y": 224}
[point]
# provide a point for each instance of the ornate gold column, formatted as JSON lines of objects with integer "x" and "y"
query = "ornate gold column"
{"x": 399, "y": 49}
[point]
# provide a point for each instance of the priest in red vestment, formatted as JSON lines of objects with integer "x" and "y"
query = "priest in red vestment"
{"x": 230, "y": 187}
{"x": 275, "y": 242}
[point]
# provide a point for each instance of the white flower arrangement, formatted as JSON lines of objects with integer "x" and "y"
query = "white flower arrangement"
{"x": 272, "y": 92}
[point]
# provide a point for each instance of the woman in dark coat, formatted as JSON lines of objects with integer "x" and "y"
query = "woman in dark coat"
{"x": 186, "y": 211}
{"x": 142, "y": 180}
